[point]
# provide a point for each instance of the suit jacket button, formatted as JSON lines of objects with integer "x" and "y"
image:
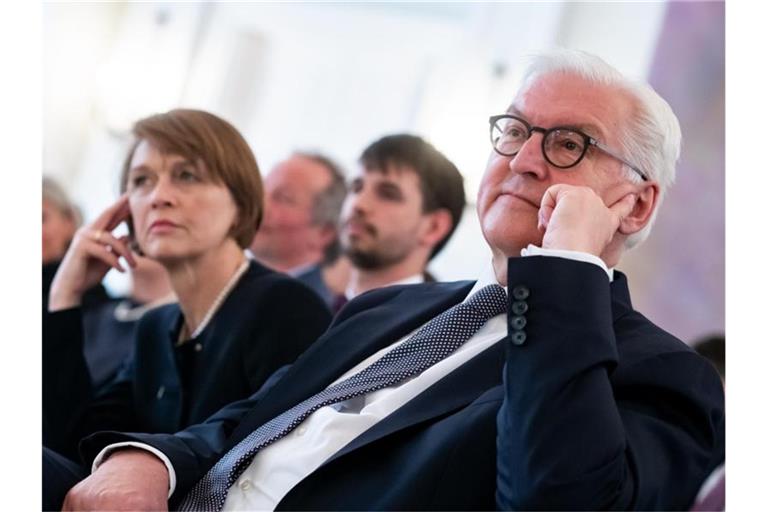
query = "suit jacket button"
{"x": 519, "y": 307}
{"x": 518, "y": 322}
{"x": 520, "y": 292}
{"x": 160, "y": 392}
{"x": 518, "y": 337}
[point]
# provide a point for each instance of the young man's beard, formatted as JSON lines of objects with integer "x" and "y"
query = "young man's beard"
{"x": 372, "y": 259}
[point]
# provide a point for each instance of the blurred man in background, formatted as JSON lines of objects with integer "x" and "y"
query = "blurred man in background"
{"x": 403, "y": 205}
{"x": 299, "y": 233}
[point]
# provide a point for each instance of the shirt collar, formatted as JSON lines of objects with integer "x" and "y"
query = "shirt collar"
{"x": 414, "y": 279}
{"x": 296, "y": 271}
{"x": 487, "y": 277}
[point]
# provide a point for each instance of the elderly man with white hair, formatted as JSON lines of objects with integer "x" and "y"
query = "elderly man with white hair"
{"x": 536, "y": 387}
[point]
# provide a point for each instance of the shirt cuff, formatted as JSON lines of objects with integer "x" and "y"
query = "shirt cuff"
{"x": 533, "y": 250}
{"x": 107, "y": 451}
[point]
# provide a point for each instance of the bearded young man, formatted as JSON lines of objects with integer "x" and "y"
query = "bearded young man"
{"x": 402, "y": 207}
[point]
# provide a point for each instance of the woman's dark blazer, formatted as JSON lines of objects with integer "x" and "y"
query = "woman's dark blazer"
{"x": 267, "y": 321}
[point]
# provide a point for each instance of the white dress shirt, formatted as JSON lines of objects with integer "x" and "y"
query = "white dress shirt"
{"x": 279, "y": 467}
{"x": 276, "y": 469}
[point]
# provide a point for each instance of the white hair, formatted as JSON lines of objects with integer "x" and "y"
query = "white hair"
{"x": 650, "y": 138}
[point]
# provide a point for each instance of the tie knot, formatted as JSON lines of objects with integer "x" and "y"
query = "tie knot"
{"x": 489, "y": 301}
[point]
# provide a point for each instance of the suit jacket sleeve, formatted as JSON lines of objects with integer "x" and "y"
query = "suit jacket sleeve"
{"x": 71, "y": 405}
{"x": 583, "y": 427}
{"x": 192, "y": 451}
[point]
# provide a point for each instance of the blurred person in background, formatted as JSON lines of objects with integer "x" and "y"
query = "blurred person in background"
{"x": 299, "y": 235}
{"x": 402, "y": 207}
{"x": 61, "y": 218}
{"x": 193, "y": 201}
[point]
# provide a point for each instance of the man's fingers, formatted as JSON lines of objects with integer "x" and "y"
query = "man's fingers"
{"x": 548, "y": 203}
{"x": 624, "y": 206}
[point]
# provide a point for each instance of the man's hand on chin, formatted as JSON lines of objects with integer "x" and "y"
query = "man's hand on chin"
{"x": 576, "y": 218}
{"x": 128, "y": 480}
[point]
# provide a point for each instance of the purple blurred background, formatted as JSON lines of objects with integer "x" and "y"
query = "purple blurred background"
{"x": 678, "y": 274}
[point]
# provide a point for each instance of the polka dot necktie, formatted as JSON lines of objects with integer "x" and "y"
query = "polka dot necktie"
{"x": 432, "y": 343}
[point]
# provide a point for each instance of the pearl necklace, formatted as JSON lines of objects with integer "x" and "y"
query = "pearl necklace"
{"x": 216, "y": 303}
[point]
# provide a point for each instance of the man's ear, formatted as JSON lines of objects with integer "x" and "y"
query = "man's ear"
{"x": 437, "y": 225}
{"x": 645, "y": 205}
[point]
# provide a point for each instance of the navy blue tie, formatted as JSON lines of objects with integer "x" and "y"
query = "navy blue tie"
{"x": 432, "y": 343}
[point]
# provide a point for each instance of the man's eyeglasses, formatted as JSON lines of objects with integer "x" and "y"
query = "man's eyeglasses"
{"x": 562, "y": 147}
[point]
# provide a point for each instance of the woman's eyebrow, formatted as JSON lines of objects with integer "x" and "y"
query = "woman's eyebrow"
{"x": 140, "y": 167}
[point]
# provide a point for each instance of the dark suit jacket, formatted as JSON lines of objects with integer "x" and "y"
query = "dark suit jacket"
{"x": 267, "y": 320}
{"x": 598, "y": 408}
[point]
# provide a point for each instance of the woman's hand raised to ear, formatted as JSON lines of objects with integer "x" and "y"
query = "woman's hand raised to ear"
{"x": 93, "y": 251}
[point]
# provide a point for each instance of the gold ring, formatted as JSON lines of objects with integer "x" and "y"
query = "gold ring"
{"x": 97, "y": 235}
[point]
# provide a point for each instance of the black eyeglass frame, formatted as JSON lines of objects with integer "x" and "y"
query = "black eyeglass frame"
{"x": 588, "y": 141}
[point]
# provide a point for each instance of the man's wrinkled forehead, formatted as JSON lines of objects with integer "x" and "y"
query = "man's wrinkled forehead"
{"x": 518, "y": 104}
{"x": 534, "y": 85}
{"x": 564, "y": 110}
{"x": 565, "y": 122}
{"x": 517, "y": 107}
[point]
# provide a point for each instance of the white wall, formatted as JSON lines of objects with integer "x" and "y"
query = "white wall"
{"x": 77, "y": 42}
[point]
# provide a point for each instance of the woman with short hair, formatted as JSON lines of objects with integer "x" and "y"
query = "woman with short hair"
{"x": 193, "y": 201}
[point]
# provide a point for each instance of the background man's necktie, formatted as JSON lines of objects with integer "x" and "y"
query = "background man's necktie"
{"x": 339, "y": 302}
{"x": 432, "y": 343}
